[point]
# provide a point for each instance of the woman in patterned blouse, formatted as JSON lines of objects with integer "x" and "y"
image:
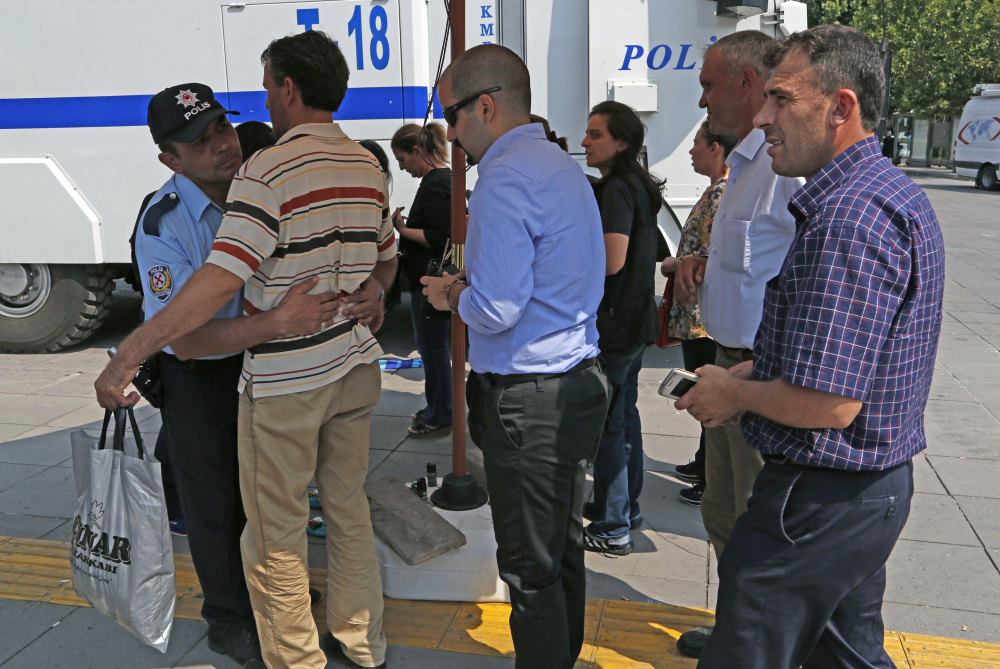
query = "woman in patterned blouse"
{"x": 708, "y": 155}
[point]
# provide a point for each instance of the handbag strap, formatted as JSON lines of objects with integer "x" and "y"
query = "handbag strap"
{"x": 118, "y": 439}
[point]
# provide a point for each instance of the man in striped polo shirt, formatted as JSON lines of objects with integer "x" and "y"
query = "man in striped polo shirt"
{"x": 313, "y": 205}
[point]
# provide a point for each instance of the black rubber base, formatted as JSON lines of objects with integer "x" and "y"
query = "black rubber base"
{"x": 459, "y": 494}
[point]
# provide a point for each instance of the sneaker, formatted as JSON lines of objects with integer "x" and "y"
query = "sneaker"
{"x": 590, "y": 513}
{"x": 692, "y": 495}
{"x": 688, "y": 473}
{"x": 693, "y": 642}
{"x": 177, "y": 528}
{"x": 602, "y": 545}
{"x": 335, "y": 653}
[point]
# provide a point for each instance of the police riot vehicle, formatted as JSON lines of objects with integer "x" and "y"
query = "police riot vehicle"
{"x": 76, "y": 156}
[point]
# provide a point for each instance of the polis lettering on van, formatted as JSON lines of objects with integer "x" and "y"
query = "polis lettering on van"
{"x": 660, "y": 56}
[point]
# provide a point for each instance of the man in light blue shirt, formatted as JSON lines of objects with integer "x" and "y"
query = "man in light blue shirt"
{"x": 537, "y": 400}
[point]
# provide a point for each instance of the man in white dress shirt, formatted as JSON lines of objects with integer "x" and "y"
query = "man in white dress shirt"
{"x": 751, "y": 234}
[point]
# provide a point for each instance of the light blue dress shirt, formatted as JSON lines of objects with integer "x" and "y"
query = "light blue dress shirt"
{"x": 186, "y": 233}
{"x": 534, "y": 258}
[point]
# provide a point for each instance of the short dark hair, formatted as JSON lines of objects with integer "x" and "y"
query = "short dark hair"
{"x": 489, "y": 65}
{"x": 742, "y": 49}
{"x": 315, "y": 63}
{"x": 167, "y": 146}
{"x": 550, "y": 134}
{"x": 727, "y": 142}
{"x": 841, "y": 57}
{"x": 625, "y": 125}
{"x": 254, "y": 136}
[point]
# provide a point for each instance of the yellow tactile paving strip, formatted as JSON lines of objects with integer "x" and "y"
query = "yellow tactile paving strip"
{"x": 619, "y": 634}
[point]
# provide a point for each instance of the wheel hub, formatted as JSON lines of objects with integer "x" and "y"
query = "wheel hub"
{"x": 23, "y": 289}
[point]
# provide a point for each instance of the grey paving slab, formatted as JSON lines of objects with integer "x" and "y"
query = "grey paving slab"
{"x": 44, "y": 445}
{"x": 21, "y": 623}
{"x": 387, "y": 432}
{"x": 13, "y": 474}
{"x": 38, "y": 409}
{"x": 410, "y": 466}
{"x": 663, "y": 453}
{"x": 88, "y": 417}
{"x": 78, "y": 386}
{"x": 28, "y": 381}
{"x": 61, "y": 532}
{"x": 7, "y": 397}
{"x": 925, "y": 479}
{"x": 29, "y": 527}
{"x": 984, "y": 515}
{"x": 938, "y": 518}
{"x": 954, "y": 577}
{"x": 961, "y": 429}
{"x": 85, "y": 638}
{"x": 967, "y": 476}
{"x": 663, "y": 510}
{"x": 675, "y": 557}
{"x": 202, "y": 655}
{"x": 11, "y": 430}
{"x": 50, "y": 493}
{"x": 944, "y": 386}
{"x": 936, "y": 621}
{"x": 397, "y": 403}
{"x": 440, "y": 445}
{"x": 646, "y": 589}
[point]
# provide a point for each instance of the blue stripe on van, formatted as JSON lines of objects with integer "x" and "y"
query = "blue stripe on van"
{"x": 384, "y": 102}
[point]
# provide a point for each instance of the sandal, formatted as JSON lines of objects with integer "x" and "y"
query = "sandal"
{"x": 424, "y": 431}
{"x": 316, "y": 527}
{"x": 314, "y": 500}
{"x": 417, "y": 417}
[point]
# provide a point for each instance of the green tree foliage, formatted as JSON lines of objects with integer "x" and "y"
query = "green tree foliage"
{"x": 941, "y": 48}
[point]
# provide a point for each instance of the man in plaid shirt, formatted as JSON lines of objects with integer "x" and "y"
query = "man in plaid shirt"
{"x": 840, "y": 375}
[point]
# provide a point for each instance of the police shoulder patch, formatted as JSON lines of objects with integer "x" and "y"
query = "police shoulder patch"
{"x": 160, "y": 282}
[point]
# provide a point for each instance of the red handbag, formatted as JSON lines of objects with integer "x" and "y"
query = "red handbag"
{"x": 663, "y": 340}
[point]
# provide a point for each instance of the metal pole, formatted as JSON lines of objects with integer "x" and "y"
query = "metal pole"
{"x": 458, "y": 239}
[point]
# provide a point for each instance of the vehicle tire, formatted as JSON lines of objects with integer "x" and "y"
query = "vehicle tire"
{"x": 987, "y": 178}
{"x": 61, "y": 306}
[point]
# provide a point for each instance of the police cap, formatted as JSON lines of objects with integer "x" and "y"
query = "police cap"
{"x": 181, "y": 113}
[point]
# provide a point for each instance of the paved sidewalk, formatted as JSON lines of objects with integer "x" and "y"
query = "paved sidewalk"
{"x": 943, "y": 576}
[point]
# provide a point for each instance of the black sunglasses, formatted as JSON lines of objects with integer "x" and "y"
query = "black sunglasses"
{"x": 449, "y": 113}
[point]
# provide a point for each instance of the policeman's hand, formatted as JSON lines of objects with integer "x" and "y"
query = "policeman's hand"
{"x": 301, "y": 314}
{"x": 110, "y": 385}
{"x": 690, "y": 273}
{"x": 436, "y": 289}
{"x": 713, "y": 401}
{"x": 744, "y": 370}
{"x": 364, "y": 305}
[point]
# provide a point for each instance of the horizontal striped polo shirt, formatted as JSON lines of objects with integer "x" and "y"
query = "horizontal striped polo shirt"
{"x": 314, "y": 204}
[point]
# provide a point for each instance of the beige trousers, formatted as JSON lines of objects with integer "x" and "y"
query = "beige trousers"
{"x": 731, "y": 467}
{"x": 283, "y": 441}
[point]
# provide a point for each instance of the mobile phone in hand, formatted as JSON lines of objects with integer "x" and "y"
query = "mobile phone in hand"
{"x": 678, "y": 383}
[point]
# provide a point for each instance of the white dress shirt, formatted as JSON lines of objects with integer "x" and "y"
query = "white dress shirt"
{"x": 751, "y": 234}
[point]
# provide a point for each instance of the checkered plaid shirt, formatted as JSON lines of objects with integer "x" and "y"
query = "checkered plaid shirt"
{"x": 855, "y": 311}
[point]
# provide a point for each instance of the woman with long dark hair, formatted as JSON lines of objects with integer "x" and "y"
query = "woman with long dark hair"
{"x": 423, "y": 153}
{"x": 629, "y": 198}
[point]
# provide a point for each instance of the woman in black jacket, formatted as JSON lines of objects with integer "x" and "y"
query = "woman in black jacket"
{"x": 423, "y": 153}
{"x": 629, "y": 199}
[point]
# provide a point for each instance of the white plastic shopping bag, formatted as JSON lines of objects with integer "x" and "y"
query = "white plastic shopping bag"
{"x": 121, "y": 554}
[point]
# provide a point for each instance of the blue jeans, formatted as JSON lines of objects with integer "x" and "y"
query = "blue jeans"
{"x": 433, "y": 344}
{"x": 618, "y": 463}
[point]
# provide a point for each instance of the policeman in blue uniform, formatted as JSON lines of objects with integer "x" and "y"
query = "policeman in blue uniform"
{"x": 200, "y": 371}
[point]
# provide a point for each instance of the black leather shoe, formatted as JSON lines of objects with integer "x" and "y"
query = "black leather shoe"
{"x": 688, "y": 473}
{"x": 691, "y": 495}
{"x": 692, "y": 642}
{"x": 241, "y": 645}
{"x": 335, "y": 653}
{"x": 590, "y": 513}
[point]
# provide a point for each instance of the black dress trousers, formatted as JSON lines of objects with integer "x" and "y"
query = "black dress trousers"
{"x": 537, "y": 437}
{"x": 200, "y": 411}
{"x": 802, "y": 578}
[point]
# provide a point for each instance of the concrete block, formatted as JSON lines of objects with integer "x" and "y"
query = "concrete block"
{"x": 408, "y": 526}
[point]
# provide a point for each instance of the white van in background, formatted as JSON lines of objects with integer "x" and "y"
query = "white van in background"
{"x": 977, "y": 148}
